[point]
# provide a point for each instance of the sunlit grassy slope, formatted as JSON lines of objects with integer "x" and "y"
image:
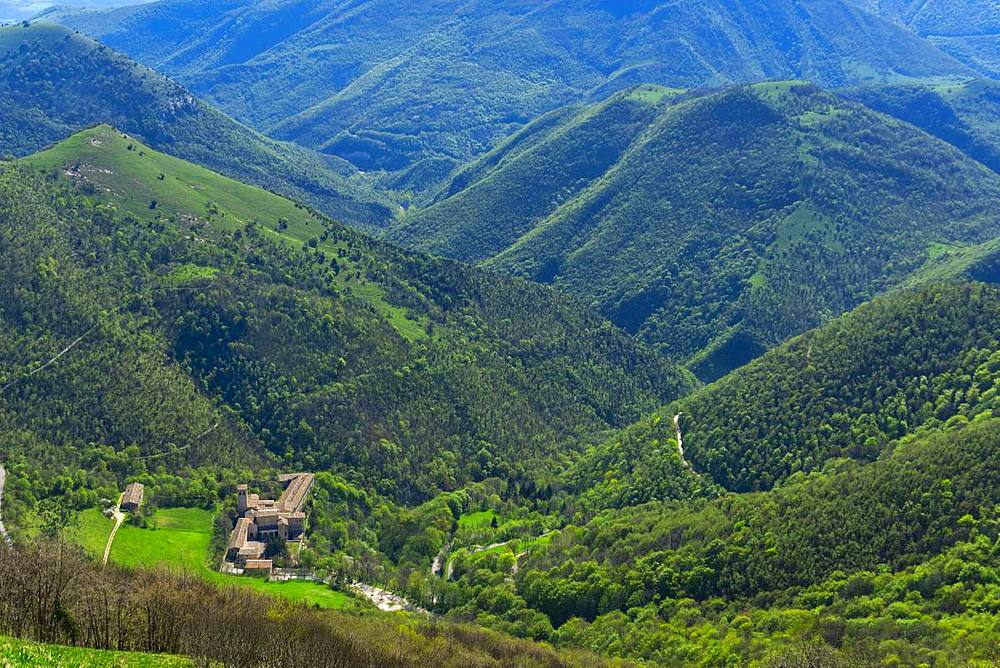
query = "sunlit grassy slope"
{"x": 152, "y": 185}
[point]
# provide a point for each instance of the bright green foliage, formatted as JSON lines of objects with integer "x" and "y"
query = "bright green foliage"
{"x": 912, "y": 360}
{"x": 715, "y": 225}
{"x": 849, "y": 388}
{"x": 638, "y": 464}
{"x": 181, "y": 539}
{"x": 752, "y": 576}
{"x": 56, "y": 83}
{"x": 26, "y": 654}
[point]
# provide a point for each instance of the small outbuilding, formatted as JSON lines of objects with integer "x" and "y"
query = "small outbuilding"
{"x": 132, "y": 498}
{"x": 258, "y": 566}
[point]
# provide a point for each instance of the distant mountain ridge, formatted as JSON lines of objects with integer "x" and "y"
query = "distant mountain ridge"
{"x": 969, "y": 30}
{"x": 714, "y": 225}
{"x": 413, "y": 88}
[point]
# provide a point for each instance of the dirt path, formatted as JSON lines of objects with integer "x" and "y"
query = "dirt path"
{"x": 119, "y": 518}
{"x": 680, "y": 441}
{"x": 3, "y": 530}
{"x": 440, "y": 559}
{"x": 50, "y": 362}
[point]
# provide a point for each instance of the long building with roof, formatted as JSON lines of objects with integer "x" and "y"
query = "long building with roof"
{"x": 262, "y": 520}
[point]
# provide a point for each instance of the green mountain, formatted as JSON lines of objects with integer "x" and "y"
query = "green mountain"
{"x": 714, "y": 225}
{"x": 414, "y": 88}
{"x": 56, "y": 83}
{"x": 210, "y": 325}
{"x": 876, "y": 439}
{"x": 904, "y": 363}
{"x": 964, "y": 114}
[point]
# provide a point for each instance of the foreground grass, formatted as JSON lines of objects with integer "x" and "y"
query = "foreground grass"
{"x": 16, "y": 653}
{"x": 181, "y": 538}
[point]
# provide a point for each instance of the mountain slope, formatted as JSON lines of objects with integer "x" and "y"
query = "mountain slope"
{"x": 715, "y": 225}
{"x": 57, "y": 83}
{"x": 966, "y": 115}
{"x": 355, "y": 77}
{"x": 318, "y": 347}
{"x": 902, "y": 364}
{"x": 876, "y": 439}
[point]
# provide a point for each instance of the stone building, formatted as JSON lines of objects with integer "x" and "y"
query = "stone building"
{"x": 261, "y": 520}
{"x": 132, "y": 498}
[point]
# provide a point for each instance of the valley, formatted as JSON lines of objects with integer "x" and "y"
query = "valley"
{"x": 504, "y": 333}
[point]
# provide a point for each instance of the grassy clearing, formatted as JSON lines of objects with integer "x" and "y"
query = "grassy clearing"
{"x": 949, "y": 262}
{"x": 16, "y": 653}
{"x": 181, "y": 538}
{"x": 134, "y": 176}
{"x": 478, "y": 520}
{"x": 651, "y": 94}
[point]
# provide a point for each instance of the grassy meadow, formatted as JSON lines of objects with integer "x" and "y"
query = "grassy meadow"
{"x": 181, "y": 538}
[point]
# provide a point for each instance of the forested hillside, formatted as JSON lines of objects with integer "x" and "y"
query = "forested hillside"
{"x": 893, "y": 562}
{"x": 715, "y": 225}
{"x": 607, "y": 332}
{"x": 964, "y": 114}
{"x": 879, "y": 547}
{"x": 210, "y": 325}
{"x": 905, "y": 362}
{"x": 55, "y": 83}
{"x": 417, "y": 88}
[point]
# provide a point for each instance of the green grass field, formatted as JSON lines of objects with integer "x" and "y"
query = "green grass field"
{"x": 133, "y": 176}
{"x": 17, "y": 653}
{"x": 181, "y": 538}
{"x": 478, "y": 520}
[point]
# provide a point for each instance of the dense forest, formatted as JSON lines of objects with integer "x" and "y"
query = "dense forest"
{"x": 860, "y": 564}
{"x": 612, "y": 333}
{"x": 960, "y": 113}
{"x": 241, "y": 343}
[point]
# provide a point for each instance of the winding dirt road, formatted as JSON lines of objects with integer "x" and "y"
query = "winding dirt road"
{"x": 680, "y": 441}
{"x": 119, "y": 518}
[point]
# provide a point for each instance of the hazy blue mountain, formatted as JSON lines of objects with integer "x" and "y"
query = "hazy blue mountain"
{"x": 964, "y": 114}
{"x": 967, "y": 29}
{"x": 17, "y": 10}
{"x": 417, "y": 87}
